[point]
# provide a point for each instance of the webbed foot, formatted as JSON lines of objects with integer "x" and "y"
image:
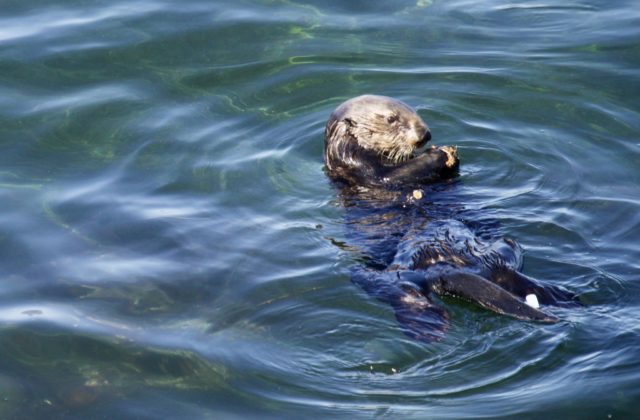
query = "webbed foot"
{"x": 520, "y": 285}
{"x": 418, "y": 316}
{"x": 488, "y": 295}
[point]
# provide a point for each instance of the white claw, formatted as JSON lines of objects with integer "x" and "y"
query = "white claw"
{"x": 532, "y": 300}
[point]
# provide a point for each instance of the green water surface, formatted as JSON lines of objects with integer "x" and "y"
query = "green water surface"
{"x": 170, "y": 246}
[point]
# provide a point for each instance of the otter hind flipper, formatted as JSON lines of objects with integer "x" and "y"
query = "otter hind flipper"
{"x": 520, "y": 285}
{"x": 488, "y": 295}
{"x": 419, "y": 318}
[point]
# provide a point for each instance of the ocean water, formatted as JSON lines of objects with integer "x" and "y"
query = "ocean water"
{"x": 170, "y": 246}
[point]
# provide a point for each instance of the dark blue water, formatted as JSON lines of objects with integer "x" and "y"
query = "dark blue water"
{"x": 170, "y": 245}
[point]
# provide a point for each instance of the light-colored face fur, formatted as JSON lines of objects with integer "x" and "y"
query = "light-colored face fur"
{"x": 381, "y": 124}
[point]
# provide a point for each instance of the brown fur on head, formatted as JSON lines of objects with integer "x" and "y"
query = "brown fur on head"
{"x": 384, "y": 126}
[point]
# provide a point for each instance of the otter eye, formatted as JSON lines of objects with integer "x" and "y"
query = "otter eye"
{"x": 391, "y": 119}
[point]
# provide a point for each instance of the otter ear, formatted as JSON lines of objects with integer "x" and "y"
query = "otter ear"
{"x": 349, "y": 122}
{"x": 335, "y": 143}
{"x": 335, "y": 130}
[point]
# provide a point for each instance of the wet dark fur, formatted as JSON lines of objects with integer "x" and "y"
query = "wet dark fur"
{"x": 411, "y": 248}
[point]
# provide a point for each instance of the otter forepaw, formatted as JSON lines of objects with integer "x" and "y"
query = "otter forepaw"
{"x": 452, "y": 156}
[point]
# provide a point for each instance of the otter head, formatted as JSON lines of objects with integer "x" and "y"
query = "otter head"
{"x": 383, "y": 126}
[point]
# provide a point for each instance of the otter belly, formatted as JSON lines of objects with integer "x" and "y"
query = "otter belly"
{"x": 415, "y": 252}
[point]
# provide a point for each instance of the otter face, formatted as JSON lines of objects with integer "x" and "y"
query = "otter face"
{"x": 383, "y": 125}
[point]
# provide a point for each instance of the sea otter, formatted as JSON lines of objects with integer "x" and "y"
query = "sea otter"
{"x": 413, "y": 238}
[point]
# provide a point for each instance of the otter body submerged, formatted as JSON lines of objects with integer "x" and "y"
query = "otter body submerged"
{"x": 414, "y": 244}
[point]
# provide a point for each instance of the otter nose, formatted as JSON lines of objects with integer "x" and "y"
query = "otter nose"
{"x": 425, "y": 138}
